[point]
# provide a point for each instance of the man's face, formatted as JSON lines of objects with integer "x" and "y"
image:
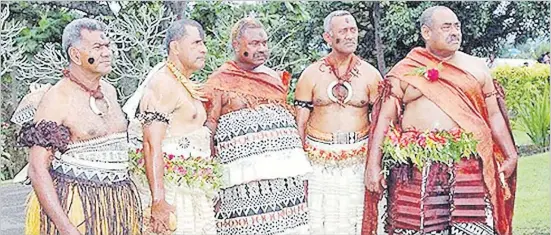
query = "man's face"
{"x": 445, "y": 32}
{"x": 252, "y": 47}
{"x": 191, "y": 49}
{"x": 344, "y": 34}
{"x": 93, "y": 47}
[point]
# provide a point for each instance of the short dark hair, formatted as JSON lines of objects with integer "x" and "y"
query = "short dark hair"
{"x": 178, "y": 30}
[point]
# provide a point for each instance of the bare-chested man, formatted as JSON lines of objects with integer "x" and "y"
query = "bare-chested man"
{"x": 176, "y": 145}
{"x": 78, "y": 162}
{"x": 454, "y": 95}
{"x": 332, "y": 99}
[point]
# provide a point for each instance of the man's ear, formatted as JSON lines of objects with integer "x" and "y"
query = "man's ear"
{"x": 174, "y": 47}
{"x": 75, "y": 56}
{"x": 425, "y": 32}
{"x": 328, "y": 39}
{"x": 235, "y": 45}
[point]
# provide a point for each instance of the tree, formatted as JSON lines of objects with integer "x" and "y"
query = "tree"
{"x": 486, "y": 26}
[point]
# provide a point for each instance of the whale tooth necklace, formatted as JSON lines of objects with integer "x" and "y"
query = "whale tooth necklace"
{"x": 95, "y": 94}
{"x": 340, "y": 91}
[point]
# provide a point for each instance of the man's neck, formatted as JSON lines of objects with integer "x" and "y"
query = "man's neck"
{"x": 340, "y": 59}
{"x": 441, "y": 55}
{"x": 185, "y": 71}
{"x": 90, "y": 80}
{"x": 245, "y": 66}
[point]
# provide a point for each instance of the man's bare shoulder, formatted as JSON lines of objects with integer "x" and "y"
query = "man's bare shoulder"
{"x": 59, "y": 92}
{"x": 312, "y": 69}
{"x": 162, "y": 82}
{"x": 108, "y": 87}
{"x": 471, "y": 59}
{"x": 370, "y": 71}
{"x": 473, "y": 62}
{"x": 55, "y": 101}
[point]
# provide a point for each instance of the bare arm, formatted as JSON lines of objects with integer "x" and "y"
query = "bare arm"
{"x": 303, "y": 103}
{"x": 155, "y": 108}
{"x": 373, "y": 86}
{"x": 154, "y": 133}
{"x": 387, "y": 115}
{"x": 39, "y": 166}
{"x": 500, "y": 131}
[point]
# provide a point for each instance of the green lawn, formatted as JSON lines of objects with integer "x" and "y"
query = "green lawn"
{"x": 532, "y": 204}
{"x": 521, "y": 138}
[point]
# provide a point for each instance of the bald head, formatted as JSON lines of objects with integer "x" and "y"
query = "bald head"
{"x": 441, "y": 30}
{"x": 428, "y": 15}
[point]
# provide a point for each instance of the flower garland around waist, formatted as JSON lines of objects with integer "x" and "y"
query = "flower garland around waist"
{"x": 339, "y": 158}
{"x": 416, "y": 148}
{"x": 179, "y": 170}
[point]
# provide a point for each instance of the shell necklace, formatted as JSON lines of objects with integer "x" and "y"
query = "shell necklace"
{"x": 94, "y": 93}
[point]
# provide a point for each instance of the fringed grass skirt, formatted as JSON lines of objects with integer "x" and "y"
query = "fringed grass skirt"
{"x": 95, "y": 208}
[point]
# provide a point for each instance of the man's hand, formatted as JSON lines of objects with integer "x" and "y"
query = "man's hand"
{"x": 508, "y": 166}
{"x": 374, "y": 181}
{"x": 160, "y": 216}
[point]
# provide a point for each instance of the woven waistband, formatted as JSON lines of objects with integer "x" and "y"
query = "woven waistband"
{"x": 336, "y": 137}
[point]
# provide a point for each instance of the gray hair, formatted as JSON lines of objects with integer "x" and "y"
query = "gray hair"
{"x": 328, "y": 18}
{"x": 72, "y": 32}
{"x": 426, "y": 17}
{"x": 177, "y": 30}
{"x": 243, "y": 24}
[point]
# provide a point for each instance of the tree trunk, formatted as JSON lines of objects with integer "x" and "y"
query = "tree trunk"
{"x": 178, "y": 8}
{"x": 91, "y": 8}
{"x": 379, "y": 47}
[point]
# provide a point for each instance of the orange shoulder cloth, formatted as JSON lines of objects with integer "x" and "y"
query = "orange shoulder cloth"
{"x": 460, "y": 96}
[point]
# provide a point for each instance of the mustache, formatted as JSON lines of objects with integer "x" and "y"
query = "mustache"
{"x": 453, "y": 38}
{"x": 258, "y": 55}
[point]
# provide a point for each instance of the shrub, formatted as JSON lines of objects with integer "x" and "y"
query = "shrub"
{"x": 527, "y": 97}
{"x": 533, "y": 118}
{"x": 522, "y": 84}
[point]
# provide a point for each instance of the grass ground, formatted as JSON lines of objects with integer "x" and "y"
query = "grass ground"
{"x": 533, "y": 201}
{"x": 521, "y": 138}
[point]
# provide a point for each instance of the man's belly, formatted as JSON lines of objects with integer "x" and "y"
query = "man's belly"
{"x": 423, "y": 114}
{"x": 332, "y": 121}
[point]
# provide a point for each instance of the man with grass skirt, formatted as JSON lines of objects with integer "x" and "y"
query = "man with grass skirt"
{"x": 78, "y": 163}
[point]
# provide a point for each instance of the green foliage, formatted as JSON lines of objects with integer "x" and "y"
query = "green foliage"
{"x": 417, "y": 148}
{"x": 522, "y": 84}
{"x": 534, "y": 118}
{"x": 486, "y": 26}
{"x": 527, "y": 97}
{"x": 12, "y": 159}
{"x": 48, "y": 27}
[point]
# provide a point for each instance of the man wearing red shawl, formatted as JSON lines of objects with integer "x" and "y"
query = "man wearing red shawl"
{"x": 438, "y": 91}
{"x": 255, "y": 137}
